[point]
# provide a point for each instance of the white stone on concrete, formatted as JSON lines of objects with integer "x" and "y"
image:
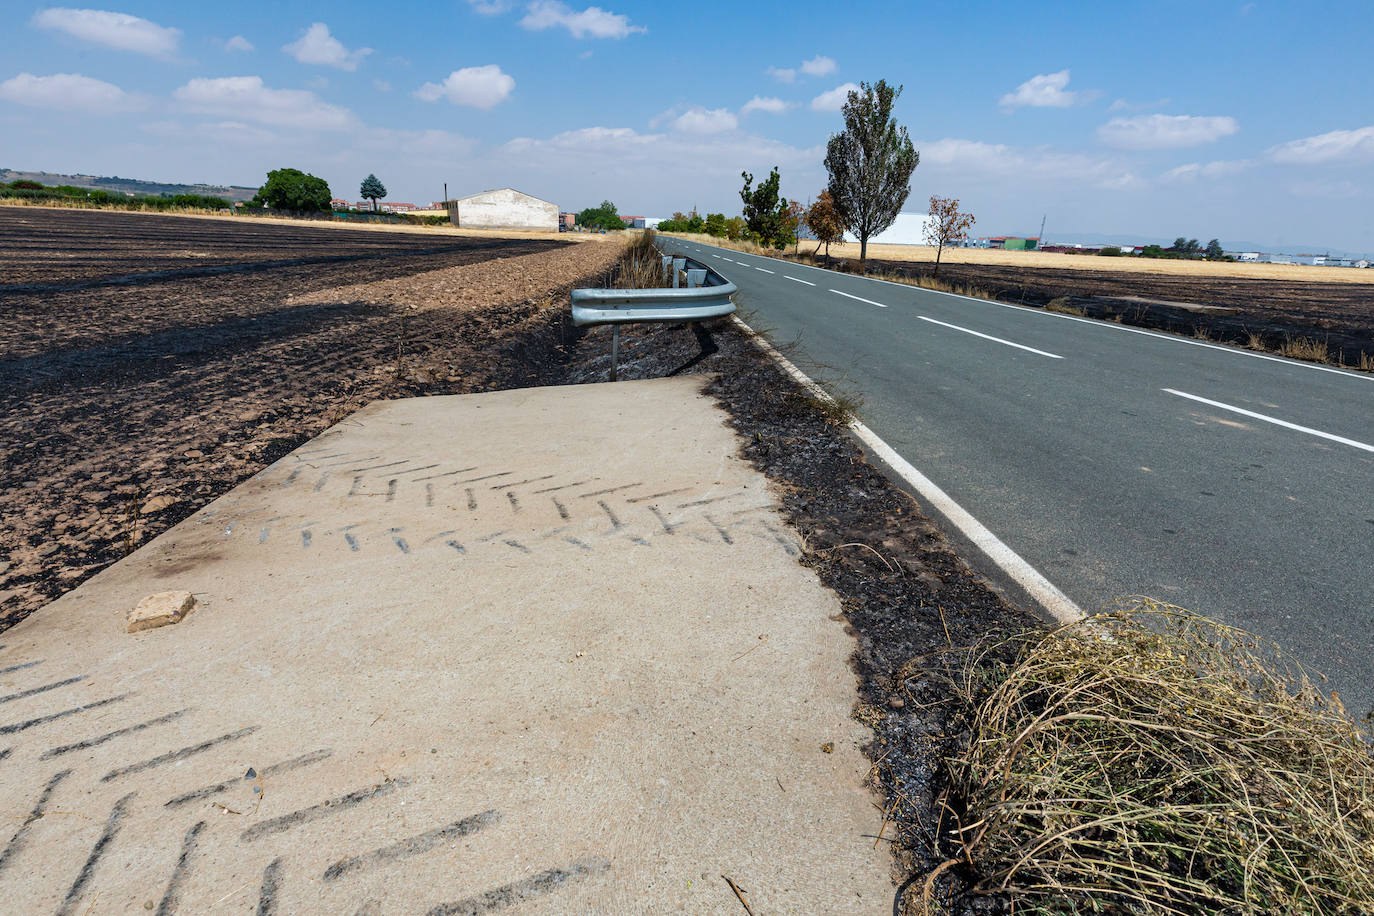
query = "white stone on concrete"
{"x": 159, "y": 610}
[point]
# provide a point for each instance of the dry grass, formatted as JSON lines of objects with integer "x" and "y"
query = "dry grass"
{"x": 1305, "y": 348}
{"x": 993, "y": 256}
{"x": 641, "y": 265}
{"x": 1149, "y": 761}
{"x": 1064, "y": 306}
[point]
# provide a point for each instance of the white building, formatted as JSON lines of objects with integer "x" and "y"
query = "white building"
{"x": 908, "y": 229}
{"x": 503, "y": 208}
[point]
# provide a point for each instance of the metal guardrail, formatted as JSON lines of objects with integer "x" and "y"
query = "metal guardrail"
{"x": 705, "y": 295}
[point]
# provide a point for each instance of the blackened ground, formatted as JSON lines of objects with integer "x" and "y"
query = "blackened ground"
{"x": 906, "y": 595}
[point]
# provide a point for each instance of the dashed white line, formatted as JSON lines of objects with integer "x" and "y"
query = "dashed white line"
{"x": 765, "y": 271}
{"x": 795, "y": 280}
{"x": 1275, "y": 420}
{"x": 860, "y": 298}
{"x": 955, "y": 327}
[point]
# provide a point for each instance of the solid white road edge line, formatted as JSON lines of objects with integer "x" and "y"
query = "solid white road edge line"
{"x": 1108, "y": 325}
{"x": 999, "y": 340}
{"x": 1059, "y": 605}
{"x": 795, "y": 280}
{"x": 1277, "y": 422}
{"x": 860, "y": 298}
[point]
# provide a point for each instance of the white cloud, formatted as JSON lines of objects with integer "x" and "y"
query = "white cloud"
{"x": 834, "y": 99}
{"x": 818, "y": 66}
{"x": 974, "y": 160}
{"x": 245, "y": 98}
{"x": 317, "y": 46}
{"x": 238, "y": 43}
{"x": 1335, "y": 146}
{"x": 1158, "y": 131}
{"x": 1191, "y": 171}
{"x": 489, "y": 7}
{"x": 698, "y": 120}
{"x": 1125, "y": 105}
{"x": 783, "y": 74}
{"x": 593, "y": 21}
{"x": 769, "y": 104}
{"x": 1048, "y": 90}
{"x": 113, "y": 30}
{"x": 65, "y": 91}
{"x": 478, "y": 87}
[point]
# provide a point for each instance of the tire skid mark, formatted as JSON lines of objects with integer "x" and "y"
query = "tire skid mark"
{"x": 285, "y": 766}
{"x": 270, "y": 890}
{"x": 40, "y": 807}
{"x": 778, "y": 536}
{"x": 110, "y": 736}
{"x": 34, "y": 691}
{"x": 51, "y": 717}
{"x": 511, "y": 542}
{"x": 180, "y": 754}
{"x": 535, "y": 886}
{"x": 487, "y": 477}
{"x": 13, "y": 668}
{"x": 576, "y": 543}
{"x": 171, "y": 899}
{"x": 83, "y": 878}
{"x": 521, "y": 483}
{"x": 472, "y": 500}
{"x": 628, "y": 486}
{"x": 615, "y": 522}
{"x": 514, "y": 503}
{"x": 667, "y": 527}
{"x": 413, "y": 846}
{"x": 323, "y": 809}
{"x": 562, "y": 509}
{"x": 724, "y": 535}
{"x": 445, "y": 474}
{"x": 378, "y": 467}
{"x": 565, "y": 486}
{"x": 641, "y": 499}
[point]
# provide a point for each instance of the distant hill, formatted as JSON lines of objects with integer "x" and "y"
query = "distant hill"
{"x": 129, "y": 185}
{"x": 1098, "y": 238}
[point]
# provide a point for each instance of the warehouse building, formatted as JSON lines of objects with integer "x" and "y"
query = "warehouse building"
{"x": 504, "y": 208}
{"x": 906, "y": 229}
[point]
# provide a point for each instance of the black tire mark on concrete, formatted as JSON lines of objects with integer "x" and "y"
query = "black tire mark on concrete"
{"x": 110, "y": 736}
{"x": 445, "y": 474}
{"x": 487, "y": 477}
{"x": 429, "y": 496}
{"x": 724, "y": 535}
{"x": 456, "y": 546}
{"x": 427, "y": 467}
{"x": 305, "y": 539}
{"x": 43, "y": 720}
{"x": 778, "y": 536}
{"x": 472, "y": 500}
{"x": 83, "y": 878}
{"x": 641, "y": 542}
{"x": 642, "y": 499}
{"x": 510, "y": 542}
{"x": 182, "y": 754}
{"x": 276, "y": 769}
{"x": 323, "y": 809}
{"x": 291, "y": 478}
{"x": 667, "y": 528}
{"x": 521, "y": 483}
{"x": 6, "y": 752}
{"x": 32, "y": 691}
{"x": 565, "y": 486}
{"x": 391, "y": 490}
{"x": 319, "y": 485}
{"x": 40, "y": 807}
{"x": 14, "y": 668}
{"x": 378, "y": 467}
{"x": 351, "y": 541}
{"x": 351, "y": 461}
{"x": 562, "y": 509}
{"x": 702, "y": 502}
{"x": 413, "y": 846}
{"x": 615, "y": 522}
{"x": 172, "y": 898}
{"x": 514, "y": 503}
{"x": 546, "y": 882}
{"x": 628, "y": 486}
{"x": 578, "y": 543}
{"x": 353, "y": 490}
{"x": 270, "y": 891}
{"x": 399, "y": 541}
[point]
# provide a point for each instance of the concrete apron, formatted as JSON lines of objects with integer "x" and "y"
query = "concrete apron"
{"x": 538, "y": 651}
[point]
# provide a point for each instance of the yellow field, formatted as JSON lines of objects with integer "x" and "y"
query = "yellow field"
{"x": 1048, "y": 259}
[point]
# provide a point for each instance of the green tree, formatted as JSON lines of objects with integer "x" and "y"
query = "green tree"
{"x": 824, "y": 223}
{"x": 1214, "y": 251}
{"x": 715, "y": 225}
{"x": 602, "y": 217}
{"x": 765, "y": 213}
{"x": 292, "y": 189}
{"x": 1185, "y": 247}
{"x": 735, "y": 228}
{"x": 870, "y": 164}
{"x": 372, "y": 189}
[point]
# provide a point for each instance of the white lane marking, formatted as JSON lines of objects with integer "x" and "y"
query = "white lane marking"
{"x": 795, "y": 280}
{"x": 1113, "y": 326}
{"x": 860, "y": 298}
{"x": 765, "y": 271}
{"x": 1275, "y": 420}
{"x": 1059, "y": 605}
{"x": 999, "y": 340}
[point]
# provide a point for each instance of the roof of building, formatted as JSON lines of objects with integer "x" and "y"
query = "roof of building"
{"x": 493, "y": 191}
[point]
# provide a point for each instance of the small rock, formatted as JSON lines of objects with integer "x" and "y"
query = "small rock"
{"x": 159, "y": 610}
{"x": 896, "y": 703}
{"x": 194, "y": 453}
{"x": 828, "y": 747}
{"x": 157, "y": 504}
{"x": 47, "y": 550}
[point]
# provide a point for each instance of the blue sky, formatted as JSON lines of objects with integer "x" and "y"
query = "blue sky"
{"x": 1248, "y": 121}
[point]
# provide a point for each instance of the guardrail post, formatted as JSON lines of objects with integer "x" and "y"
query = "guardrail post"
{"x": 615, "y": 349}
{"x": 667, "y": 267}
{"x": 678, "y": 264}
{"x": 695, "y": 278}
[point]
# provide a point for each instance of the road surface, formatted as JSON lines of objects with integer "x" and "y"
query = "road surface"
{"x": 1116, "y": 461}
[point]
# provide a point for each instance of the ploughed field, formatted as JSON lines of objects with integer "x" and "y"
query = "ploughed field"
{"x": 149, "y": 363}
{"x": 1339, "y": 314}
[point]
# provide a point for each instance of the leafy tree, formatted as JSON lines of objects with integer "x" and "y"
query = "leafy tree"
{"x": 24, "y": 184}
{"x": 715, "y": 225}
{"x": 602, "y": 217}
{"x": 292, "y": 189}
{"x": 792, "y": 224}
{"x": 1152, "y": 251}
{"x": 1186, "y": 247}
{"x": 765, "y": 213}
{"x": 372, "y": 189}
{"x": 1111, "y": 251}
{"x": 870, "y": 164}
{"x": 1215, "y": 252}
{"x": 824, "y": 223}
{"x": 946, "y": 226}
{"x": 735, "y": 228}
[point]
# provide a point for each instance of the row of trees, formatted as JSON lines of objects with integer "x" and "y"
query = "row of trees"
{"x": 292, "y": 189}
{"x": 24, "y": 189}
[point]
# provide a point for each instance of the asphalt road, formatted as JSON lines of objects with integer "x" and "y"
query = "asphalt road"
{"x": 1116, "y": 461}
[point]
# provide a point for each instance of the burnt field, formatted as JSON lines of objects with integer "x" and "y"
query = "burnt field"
{"x": 1231, "y": 309}
{"x": 150, "y": 363}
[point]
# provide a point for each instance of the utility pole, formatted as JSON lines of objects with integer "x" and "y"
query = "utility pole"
{"x": 1041, "y": 243}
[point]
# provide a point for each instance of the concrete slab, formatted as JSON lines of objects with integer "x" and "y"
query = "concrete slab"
{"x": 539, "y": 651}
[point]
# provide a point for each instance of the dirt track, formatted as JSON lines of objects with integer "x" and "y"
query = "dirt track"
{"x": 149, "y": 363}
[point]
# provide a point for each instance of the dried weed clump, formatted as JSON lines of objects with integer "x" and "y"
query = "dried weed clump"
{"x": 1150, "y": 761}
{"x": 641, "y": 266}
